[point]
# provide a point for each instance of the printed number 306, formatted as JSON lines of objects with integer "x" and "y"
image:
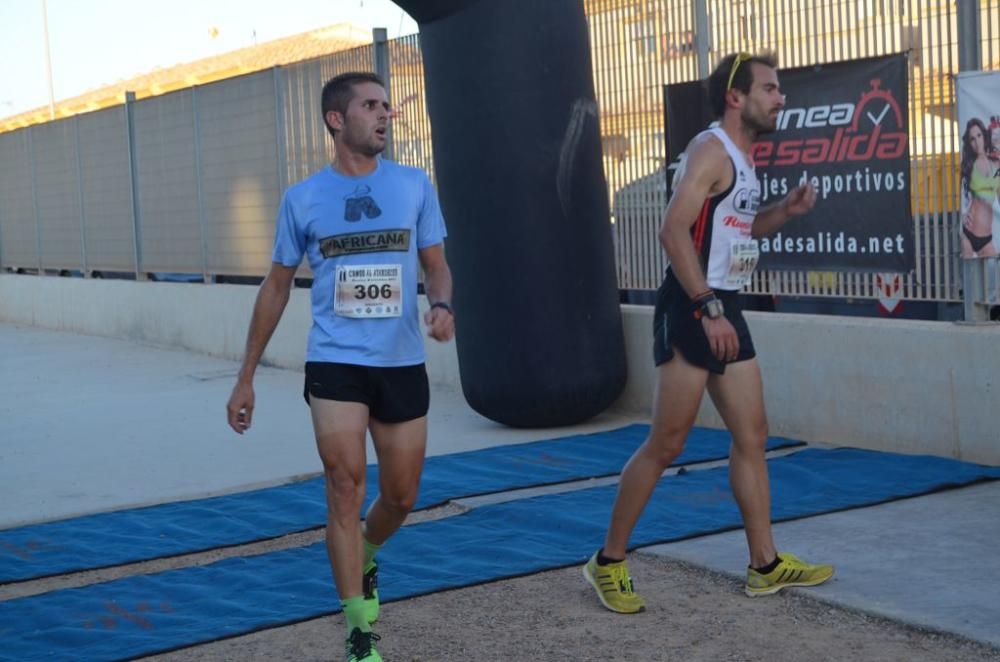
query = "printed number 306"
{"x": 372, "y": 292}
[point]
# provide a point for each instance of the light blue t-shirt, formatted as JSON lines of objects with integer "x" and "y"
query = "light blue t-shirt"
{"x": 362, "y": 235}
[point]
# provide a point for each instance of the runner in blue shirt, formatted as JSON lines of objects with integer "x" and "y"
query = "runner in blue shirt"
{"x": 364, "y": 223}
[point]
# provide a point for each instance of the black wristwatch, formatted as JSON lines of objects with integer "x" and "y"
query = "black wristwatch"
{"x": 442, "y": 304}
{"x": 711, "y": 308}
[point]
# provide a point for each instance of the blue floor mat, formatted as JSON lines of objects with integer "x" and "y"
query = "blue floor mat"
{"x": 142, "y": 615}
{"x": 142, "y": 534}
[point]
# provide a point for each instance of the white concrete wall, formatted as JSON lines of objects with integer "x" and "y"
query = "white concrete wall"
{"x": 210, "y": 319}
{"x": 899, "y": 385}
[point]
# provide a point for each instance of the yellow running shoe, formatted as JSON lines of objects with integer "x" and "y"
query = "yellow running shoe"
{"x": 614, "y": 586}
{"x": 791, "y": 571}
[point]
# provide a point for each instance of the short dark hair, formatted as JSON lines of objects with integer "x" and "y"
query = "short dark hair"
{"x": 339, "y": 90}
{"x": 742, "y": 79}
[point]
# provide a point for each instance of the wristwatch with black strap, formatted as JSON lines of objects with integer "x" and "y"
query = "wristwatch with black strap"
{"x": 445, "y": 305}
{"x": 709, "y": 306}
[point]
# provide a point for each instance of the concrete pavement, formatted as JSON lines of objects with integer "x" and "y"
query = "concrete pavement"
{"x": 90, "y": 424}
{"x": 931, "y": 561}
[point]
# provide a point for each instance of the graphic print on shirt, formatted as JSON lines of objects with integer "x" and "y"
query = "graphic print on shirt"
{"x": 359, "y": 203}
{"x": 747, "y": 200}
{"x": 378, "y": 241}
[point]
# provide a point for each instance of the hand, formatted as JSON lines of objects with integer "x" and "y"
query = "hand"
{"x": 722, "y": 338}
{"x": 239, "y": 409}
{"x": 440, "y": 324}
{"x": 800, "y": 200}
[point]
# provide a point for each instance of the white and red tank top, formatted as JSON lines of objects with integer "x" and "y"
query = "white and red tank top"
{"x": 721, "y": 234}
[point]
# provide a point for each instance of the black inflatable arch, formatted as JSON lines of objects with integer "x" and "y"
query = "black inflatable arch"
{"x": 517, "y": 154}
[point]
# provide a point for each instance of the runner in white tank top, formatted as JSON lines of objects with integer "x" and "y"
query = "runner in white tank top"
{"x": 702, "y": 340}
{"x": 721, "y": 234}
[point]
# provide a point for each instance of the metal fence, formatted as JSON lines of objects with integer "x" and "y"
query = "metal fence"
{"x": 184, "y": 182}
{"x": 638, "y": 47}
{"x": 190, "y": 181}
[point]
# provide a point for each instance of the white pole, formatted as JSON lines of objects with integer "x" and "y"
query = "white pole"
{"x": 48, "y": 59}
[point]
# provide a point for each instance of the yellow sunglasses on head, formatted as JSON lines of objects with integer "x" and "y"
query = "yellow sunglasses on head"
{"x": 737, "y": 61}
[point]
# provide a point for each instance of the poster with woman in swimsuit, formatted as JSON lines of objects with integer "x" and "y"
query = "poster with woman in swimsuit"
{"x": 978, "y": 101}
{"x": 980, "y": 186}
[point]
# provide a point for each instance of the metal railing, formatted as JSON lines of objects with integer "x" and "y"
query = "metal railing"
{"x": 981, "y": 278}
{"x": 638, "y": 47}
{"x": 189, "y": 181}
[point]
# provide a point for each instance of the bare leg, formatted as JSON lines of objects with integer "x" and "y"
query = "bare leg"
{"x": 340, "y": 437}
{"x": 400, "y": 448}
{"x": 679, "y": 389}
{"x": 739, "y": 397}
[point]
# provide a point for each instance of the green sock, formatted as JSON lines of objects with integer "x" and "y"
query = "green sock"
{"x": 354, "y": 611}
{"x": 370, "y": 551}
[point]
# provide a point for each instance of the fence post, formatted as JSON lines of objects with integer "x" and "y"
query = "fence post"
{"x": 281, "y": 160}
{"x": 134, "y": 184}
{"x": 34, "y": 199}
{"x": 980, "y": 276}
{"x": 974, "y": 273}
{"x": 279, "y": 128}
{"x": 199, "y": 191}
{"x": 702, "y": 37}
{"x": 969, "y": 35}
{"x": 2, "y": 267}
{"x": 79, "y": 184}
{"x": 380, "y": 55}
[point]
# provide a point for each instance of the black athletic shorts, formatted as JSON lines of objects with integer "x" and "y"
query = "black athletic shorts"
{"x": 675, "y": 326}
{"x": 393, "y": 395}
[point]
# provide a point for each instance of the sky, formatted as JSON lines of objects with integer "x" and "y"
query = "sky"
{"x": 96, "y": 42}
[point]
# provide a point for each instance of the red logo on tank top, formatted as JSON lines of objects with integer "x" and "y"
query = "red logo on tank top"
{"x": 734, "y": 222}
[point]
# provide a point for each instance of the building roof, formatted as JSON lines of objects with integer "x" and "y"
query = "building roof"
{"x": 303, "y": 46}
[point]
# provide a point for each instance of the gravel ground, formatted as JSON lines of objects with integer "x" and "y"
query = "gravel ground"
{"x": 692, "y": 614}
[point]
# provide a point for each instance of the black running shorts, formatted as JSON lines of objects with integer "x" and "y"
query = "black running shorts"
{"x": 675, "y": 326}
{"x": 393, "y": 395}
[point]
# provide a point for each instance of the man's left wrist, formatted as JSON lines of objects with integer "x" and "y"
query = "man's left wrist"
{"x": 443, "y": 305}
{"x": 710, "y": 307}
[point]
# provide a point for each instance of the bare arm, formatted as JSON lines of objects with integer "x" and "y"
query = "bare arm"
{"x": 437, "y": 284}
{"x": 703, "y": 175}
{"x": 800, "y": 200}
{"x": 707, "y": 172}
{"x": 272, "y": 297}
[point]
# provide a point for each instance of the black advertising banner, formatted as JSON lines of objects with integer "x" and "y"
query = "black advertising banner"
{"x": 844, "y": 128}
{"x": 688, "y": 112}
